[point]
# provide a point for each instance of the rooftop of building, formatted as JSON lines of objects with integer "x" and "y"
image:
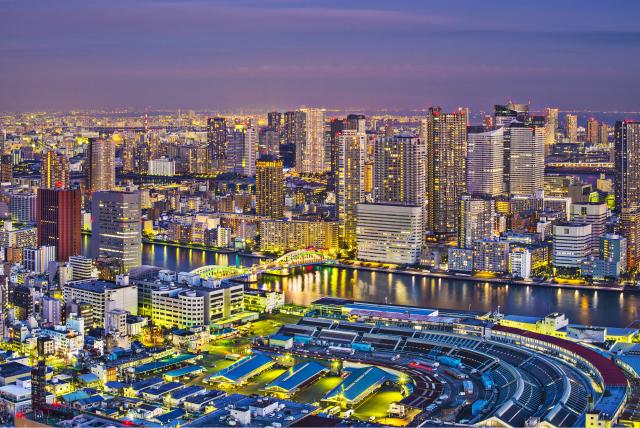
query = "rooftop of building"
{"x": 95, "y": 285}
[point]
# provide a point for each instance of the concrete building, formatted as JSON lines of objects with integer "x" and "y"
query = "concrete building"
{"x": 491, "y": 255}
{"x": 571, "y": 244}
{"x": 102, "y": 165}
{"x": 309, "y": 140}
{"x": 23, "y": 207}
{"x": 270, "y": 187}
{"x": 54, "y": 171}
{"x": 520, "y": 263}
{"x": 477, "y": 219}
{"x": 399, "y": 171}
{"x": 595, "y": 214}
{"x": 162, "y": 166}
{"x": 287, "y": 235}
{"x": 37, "y": 259}
{"x": 445, "y": 136}
{"x": 217, "y": 142}
{"x": 59, "y": 221}
{"x": 115, "y": 227}
{"x": 485, "y": 160}
{"x": 242, "y": 142}
{"x": 97, "y": 293}
{"x": 389, "y": 233}
{"x": 526, "y": 160}
{"x": 627, "y": 159}
{"x": 460, "y": 259}
{"x": 350, "y": 182}
{"x": 82, "y": 268}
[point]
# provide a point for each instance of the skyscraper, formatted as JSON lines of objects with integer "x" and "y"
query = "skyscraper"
{"x": 217, "y": 140}
{"x": 275, "y": 120}
{"x": 102, "y": 165}
{"x": 485, "y": 161}
{"x": 476, "y": 220}
{"x": 627, "y": 161}
{"x": 551, "y": 127}
{"x": 399, "y": 175}
{"x": 59, "y": 221}
{"x": 445, "y": 135}
{"x": 350, "y": 181}
{"x": 54, "y": 171}
{"x": 6, "y": 169}
{"x": 571, "y": 127}
{"x": 593, "y": 134}
{"x": 241, "y": 150}
{"x": 504, "y": 116}
{"x": 310, "y": 143}
{"x": 115, "y": 227}
{"x": 526, "y": 160}
{"x": 270, "y": 187}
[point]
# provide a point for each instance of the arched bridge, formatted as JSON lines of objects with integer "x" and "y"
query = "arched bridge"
{"x": 285, "y": 262}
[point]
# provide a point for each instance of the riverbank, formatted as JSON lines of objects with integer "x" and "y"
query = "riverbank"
{"x": 491, "y": 280}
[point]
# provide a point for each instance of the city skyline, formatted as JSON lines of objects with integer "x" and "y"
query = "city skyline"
{"x": 377, "y": 54}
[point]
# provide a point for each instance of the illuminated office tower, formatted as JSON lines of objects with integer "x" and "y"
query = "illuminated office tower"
{"x": 603, "y": 132}
{"x": 115, "y": 227}
{"x": 627, "y": 164}
{"x": 445, "y": 135}
{"x": 571, "y": 127}
{"x": 102, "y": 165}
{"x": 310, "y": 141}
{"x": 217, "y": 141}
{"x": 54, "y": 171}
{"x": 269, "y": 187}
{"x": 59, "y": 221}
{"x": 399, "y": 170}
{"x": 593, "y": 131}
{"x": 350, "y": 181}
{"x": 526, "y": 160}
{"x": 477, "y": 219}
{"x": 241, "y": 150}
{"x": 504, "y": 115}
{"x": 485, "y": 161}
{"x": 551, "y": 126}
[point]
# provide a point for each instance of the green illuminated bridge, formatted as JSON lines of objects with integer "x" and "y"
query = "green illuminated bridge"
{"x": 283, "y": 264}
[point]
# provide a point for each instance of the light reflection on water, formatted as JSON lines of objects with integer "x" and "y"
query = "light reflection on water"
{"x": 310, "y": 283}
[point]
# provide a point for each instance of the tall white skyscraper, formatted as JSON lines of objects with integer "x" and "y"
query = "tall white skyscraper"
{"x": 526, "y": 160}
{"x": 350, "y": 181}
{"x": 242, "y": 146}
{"x": 310, "y": 142}
{"x": 102, "y": 165}
{"x": 551, "y": 126}
{"x": 485, "y": 161}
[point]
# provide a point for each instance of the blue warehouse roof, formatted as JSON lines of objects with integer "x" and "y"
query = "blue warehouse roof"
{"x": 358, "y": 383}
{"x": 242, "y": 369}
{"x": 296, "y": 376}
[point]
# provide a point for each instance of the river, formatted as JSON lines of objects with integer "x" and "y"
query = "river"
{"x": 612, "y": 308}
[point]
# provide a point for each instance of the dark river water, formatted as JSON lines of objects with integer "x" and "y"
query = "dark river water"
{"x": 610, "y": 308}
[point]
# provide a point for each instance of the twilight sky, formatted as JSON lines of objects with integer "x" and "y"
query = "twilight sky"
{"x": 396, "y": 54}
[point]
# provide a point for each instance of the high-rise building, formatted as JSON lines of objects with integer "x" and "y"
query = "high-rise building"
{"x": 217, "y": 140}
{"x": 37, "y": 259}
{"x": 350, "y": 181}
{"x": 54, "y": 171}
{"x": 571, "y": 244}
{"x": 445, "y": 135}
{"x": 595, "y": 214}
{"x": 23, "y": 207}
{"x": 275, "y": 120}
{"x": 477, "y": 219}
{"x": 526, "y": 159}
{"x": 241, "y": 150}
{"x": 269, "y": 187}
{"x": 398, "y": 175}
{"x": 59, "y": 221}
{"x": 505, "y": 115}
{"x": 389, "y": 233}
{"x": 310, "y": 141}
{"x": 485, "y": 162}
{"x": 571, "y": 127}
{"x": 627, "y": 160}
{"x": 593, "y": 131}
{"x": 128, "y": 150}
{"x": 6, "y": 169}
{"x": 630, "y": 229}
{"x": 115, "y": 227}
{"x": 102, "y": 165}
{"x": 551, "y": 127}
